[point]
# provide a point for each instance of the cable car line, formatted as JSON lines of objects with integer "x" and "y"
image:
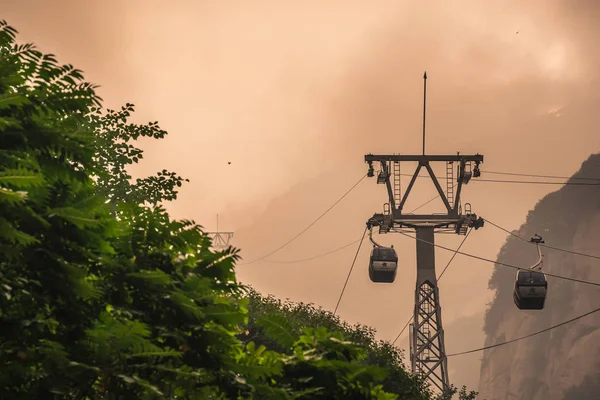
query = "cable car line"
{"x": 539, "y": 176}
{"x": 422, "y": 205}
{"x": 455, "y": 253}
{"x": 541, "y": 182}
{"x": 501, "y": 263}
{"x": 350, "y": 272}
{"x": 438, "y": 278}
{"x": 344, "y": 246}
{"x": 542, "y": 244}
{"x": 524, "y": 337}
{"x": 539, "y": 243}
{"x": 403, "y": 329}
{"x": 318, "y": 256}
{"x": 309, "y": 226}
{"x": 525, "y": 182}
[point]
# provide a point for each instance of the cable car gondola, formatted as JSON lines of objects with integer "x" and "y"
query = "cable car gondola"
{"x": 383, "y": 264}
{"x": 531, "y": 286}
{"x": 530, "y": 290}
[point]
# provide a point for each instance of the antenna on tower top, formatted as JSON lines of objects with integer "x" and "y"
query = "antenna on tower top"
{"x": 424, "y": 106}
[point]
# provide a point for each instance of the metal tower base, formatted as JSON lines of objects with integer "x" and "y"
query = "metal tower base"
{"x": 427, "y": 350}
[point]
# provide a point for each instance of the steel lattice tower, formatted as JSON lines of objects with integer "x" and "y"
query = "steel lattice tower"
{"x": 428, "y": 353}
{"x": 427, "y": 350}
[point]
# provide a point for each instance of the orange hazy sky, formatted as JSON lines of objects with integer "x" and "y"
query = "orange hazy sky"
{"x": 294, "y": 93}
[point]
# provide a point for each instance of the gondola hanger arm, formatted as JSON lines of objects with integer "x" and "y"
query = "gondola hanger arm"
{"x": 537, "y": 239}
{"x": 375, "y": 244}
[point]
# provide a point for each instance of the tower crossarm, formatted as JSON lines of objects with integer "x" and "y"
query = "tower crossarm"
{"x": 477, "y": 158}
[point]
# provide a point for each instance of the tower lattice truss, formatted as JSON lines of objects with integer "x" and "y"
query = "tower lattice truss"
{"x": 428, "y": 352}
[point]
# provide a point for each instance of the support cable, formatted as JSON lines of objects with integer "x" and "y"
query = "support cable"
{"x": 541, "y": 244}
{"x": 438, "y": 278}
{"x": 540, "y": 182}
{"x": 525, "y": 182}
{"x": 524, "y": 337}
{"x": 350, "y": 272}
{"x": 341, "y": 247}
{"x": 309, "y": 226}
{"x": 501, "y": 263}
{"x": 539, "y": 176}
{"x": 423, "y": 205}
{"x": 317, "y": 256}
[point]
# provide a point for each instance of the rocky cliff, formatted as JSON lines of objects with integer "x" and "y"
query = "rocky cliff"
{"x": 563, "y": 363}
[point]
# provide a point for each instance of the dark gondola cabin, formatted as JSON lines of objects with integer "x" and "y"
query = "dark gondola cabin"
{"x": 530, "y": 290}
{"x": 383, "y": 265}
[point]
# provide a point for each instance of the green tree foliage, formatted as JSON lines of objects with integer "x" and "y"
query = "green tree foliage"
{"x": 114, "y": 152}
{"x": 276, "y": 325}
{"x": 102, "y": 294}
{"x": 51, "y": 223}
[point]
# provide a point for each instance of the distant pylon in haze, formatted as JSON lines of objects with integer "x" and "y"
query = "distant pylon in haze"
{"x": 220, "y": 240}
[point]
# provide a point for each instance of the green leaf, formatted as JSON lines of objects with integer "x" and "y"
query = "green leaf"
{"x": 20, "y": 178}
{"x": 278, "y": 328}
{"x": 78, "y": 218}
{"x": 164, "y": 353}
{"x": 12, "y": 235}
{"x": 10, "y": 196}
{"x": 12, "y": 99}
{"x": 155, "y": 277}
